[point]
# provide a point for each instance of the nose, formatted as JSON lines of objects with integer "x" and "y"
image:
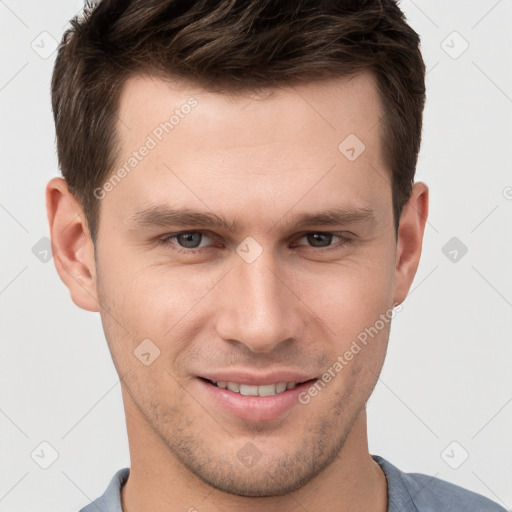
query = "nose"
{"x": 258, "y": 307}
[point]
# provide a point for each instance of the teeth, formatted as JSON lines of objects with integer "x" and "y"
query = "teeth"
{"x": 280, "y": 387}
{"x": 233, "y": 386}
{"x": 249, "y": 390}
{"x": 267, "y": 390}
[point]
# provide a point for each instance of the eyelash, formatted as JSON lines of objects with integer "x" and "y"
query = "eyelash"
{"x": 166, "y": 241}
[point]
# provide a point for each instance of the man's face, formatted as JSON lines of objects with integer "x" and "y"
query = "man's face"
{"x": 269, "y": 300}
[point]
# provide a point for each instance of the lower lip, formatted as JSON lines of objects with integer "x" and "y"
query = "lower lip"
{"x": 255, "y": 408}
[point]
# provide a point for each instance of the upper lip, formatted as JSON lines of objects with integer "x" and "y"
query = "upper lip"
{"x": 256, "y": 379}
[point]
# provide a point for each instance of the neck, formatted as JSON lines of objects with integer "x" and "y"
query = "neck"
{"x": 160, "y": 483}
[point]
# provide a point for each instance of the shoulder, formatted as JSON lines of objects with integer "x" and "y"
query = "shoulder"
{"x": 110, "y": 500}
{"x": 431, "y": 493}
{"x": 423, "y": 493}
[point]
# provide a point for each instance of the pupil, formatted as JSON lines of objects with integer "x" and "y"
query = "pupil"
{"x": 192, "y": 240}
{"x": 314, "y": 238}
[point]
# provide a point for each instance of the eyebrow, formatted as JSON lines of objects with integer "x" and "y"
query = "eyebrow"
{"x": 165, "y": 216}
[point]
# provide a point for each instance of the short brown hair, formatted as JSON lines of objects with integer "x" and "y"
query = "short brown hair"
{"x": 230, "y": 46}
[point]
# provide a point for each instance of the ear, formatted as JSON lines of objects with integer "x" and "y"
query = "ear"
{"x": 74, "y": 257}
{"x": 410, "y": 240}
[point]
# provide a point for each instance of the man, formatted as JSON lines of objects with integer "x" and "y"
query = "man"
{"x": 239, "y": 205}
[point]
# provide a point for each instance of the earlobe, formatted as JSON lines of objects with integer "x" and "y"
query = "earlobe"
{"x": 410, "y": 240}
{"x": 69, "y": 231}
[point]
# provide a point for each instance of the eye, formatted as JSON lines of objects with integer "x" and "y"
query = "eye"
{"x": 188, "y": 240}
{"x": 320, "y": 239}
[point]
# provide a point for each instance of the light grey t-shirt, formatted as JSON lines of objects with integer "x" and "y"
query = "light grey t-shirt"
{"x": 407, "y": 492}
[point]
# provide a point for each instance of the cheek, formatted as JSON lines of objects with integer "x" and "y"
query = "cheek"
{"x": 350, "y": 296}
{"x": 157, "y": 302}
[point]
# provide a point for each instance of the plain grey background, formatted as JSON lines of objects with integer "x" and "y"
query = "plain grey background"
{"x": 443, "y": 404}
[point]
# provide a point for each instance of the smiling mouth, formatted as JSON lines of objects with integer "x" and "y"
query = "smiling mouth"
{"x": 252, "y": 390}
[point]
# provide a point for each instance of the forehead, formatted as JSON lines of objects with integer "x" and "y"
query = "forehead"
{"x": 340, "y": 104}
{"x": 307, "y": 143}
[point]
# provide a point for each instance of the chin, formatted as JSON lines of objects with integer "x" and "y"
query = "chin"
{"x": 261, "y": 485}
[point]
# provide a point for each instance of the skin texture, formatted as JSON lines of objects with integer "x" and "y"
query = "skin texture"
{"x": 260, "y": 161}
